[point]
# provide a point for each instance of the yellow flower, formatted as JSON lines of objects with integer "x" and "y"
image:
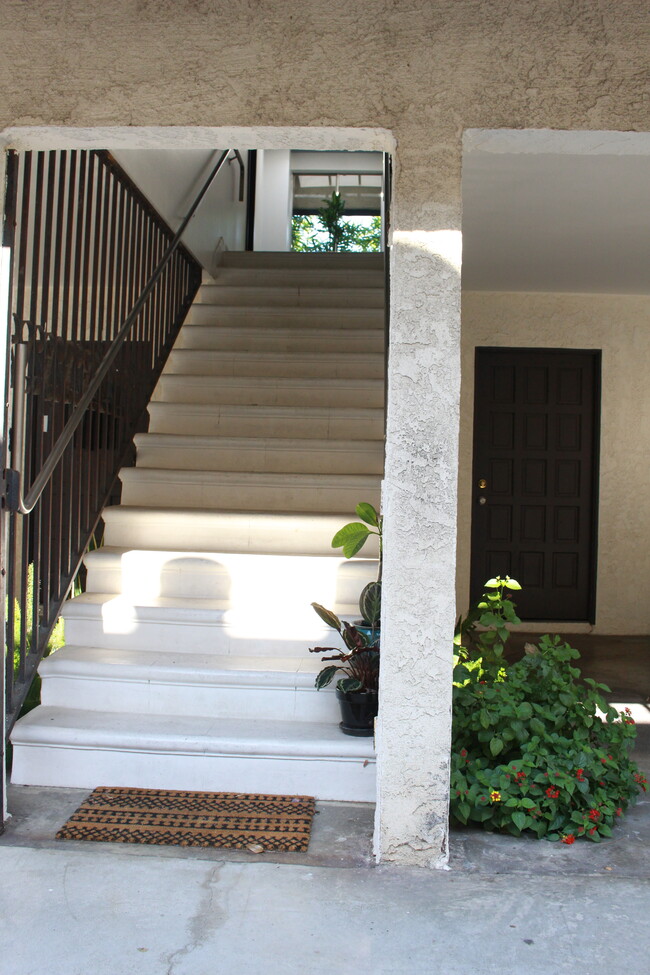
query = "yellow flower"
{"x": 495, "y": 796}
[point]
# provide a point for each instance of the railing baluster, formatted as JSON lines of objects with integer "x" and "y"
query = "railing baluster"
{"x": 86, "y": 247}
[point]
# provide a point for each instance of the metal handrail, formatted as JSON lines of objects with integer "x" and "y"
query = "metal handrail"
{"x": 24, "y": 504}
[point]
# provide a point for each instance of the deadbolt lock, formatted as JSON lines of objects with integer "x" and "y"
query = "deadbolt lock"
{"x": 482, "y": 484}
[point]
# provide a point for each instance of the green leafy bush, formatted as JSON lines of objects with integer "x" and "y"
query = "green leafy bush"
{"x": 533, "y": 749}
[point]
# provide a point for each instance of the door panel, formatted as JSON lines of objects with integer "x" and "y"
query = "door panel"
{"x": 536, "y": 427}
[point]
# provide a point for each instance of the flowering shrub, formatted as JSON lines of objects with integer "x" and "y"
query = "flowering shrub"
{"x": 533, "y": 750}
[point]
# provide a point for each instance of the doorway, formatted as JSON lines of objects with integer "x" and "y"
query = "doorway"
{"x": 534, "y": 480}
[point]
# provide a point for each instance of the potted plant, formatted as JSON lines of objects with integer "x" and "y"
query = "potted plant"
{"x": 351, "y": 538}
{"x": 357, "y": 690}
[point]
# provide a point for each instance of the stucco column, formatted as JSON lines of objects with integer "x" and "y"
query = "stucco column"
{"x": 419, "y": 507}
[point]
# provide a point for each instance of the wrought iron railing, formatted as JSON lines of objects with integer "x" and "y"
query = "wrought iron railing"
{"x": 99, "y": 289}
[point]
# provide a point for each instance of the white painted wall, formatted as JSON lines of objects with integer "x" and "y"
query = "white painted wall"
{"x": 336, "y": 162}
{"x": 617, "y": 324}
{"x": 171, "y": 181}
{"x": 273, "y": 200}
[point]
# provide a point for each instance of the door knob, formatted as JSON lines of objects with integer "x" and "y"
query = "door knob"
{"x": 482, "y": 500}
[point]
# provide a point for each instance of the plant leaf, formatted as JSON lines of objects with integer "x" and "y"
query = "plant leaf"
{"x": 325, "y": 677}
{"x": 496, "y": 746}
{"x": 368, "y": 513}
{"x": 519, "y": 819}
{"x": 328, "y": 616}
{"x": 351, "y": 538}
{"x": 349, "y": 685}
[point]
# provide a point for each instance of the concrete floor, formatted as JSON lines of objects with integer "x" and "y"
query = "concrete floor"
{"x": 507, "y": 906}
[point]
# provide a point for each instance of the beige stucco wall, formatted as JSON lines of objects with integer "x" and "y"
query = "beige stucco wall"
{"x": 423, "y": 71}
{"x": 619, "y": 325}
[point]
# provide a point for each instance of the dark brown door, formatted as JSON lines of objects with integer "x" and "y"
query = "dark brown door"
{"x": 534, "y": 499}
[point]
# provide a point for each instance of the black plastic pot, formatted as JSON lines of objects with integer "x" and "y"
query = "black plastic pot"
{"x": 358, "y": 711}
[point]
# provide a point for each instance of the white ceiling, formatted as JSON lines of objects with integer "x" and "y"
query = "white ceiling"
{"x": 564, "y": 212}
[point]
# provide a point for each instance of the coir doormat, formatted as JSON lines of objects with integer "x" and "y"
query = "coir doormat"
{"x": 219, "y": 819}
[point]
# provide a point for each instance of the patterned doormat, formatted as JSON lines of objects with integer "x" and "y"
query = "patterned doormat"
{"x": 221, "y": 819}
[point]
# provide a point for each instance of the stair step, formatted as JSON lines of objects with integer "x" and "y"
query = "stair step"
{"x": 333, "y": 365}
{"x": 158, "y": 682}
{"x": 293, "y": 259}
{"x": 296, "y": 317}
{"x": 281, "y": 533}
{"x": 302, "y": 277}
{"x": 258, "y": 454}
{"x": 280, "y": 340}
{"x": 187, "y": 625}
{"x": 73, "y": 748}
{"x": 290, "y": 296}
{"x": 262, "y": 391}
{"x": 347, "y": 423}
{"x": 290, "y": 579}
{"x": 236, "y": 490}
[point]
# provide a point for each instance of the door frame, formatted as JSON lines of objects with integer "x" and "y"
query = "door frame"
{"x": 592, "y": 557}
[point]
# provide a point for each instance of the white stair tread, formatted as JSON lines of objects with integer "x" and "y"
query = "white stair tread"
{"x": 187, "y": 734}
{"x": 169, "y": 667}
{"x": 90, "y": 605}
{"x": 208, "y": 530}
{"x": 325, "y": 259}
{"x": 175, "y": 440}
{"x": 303, "y": 277}
{"x": 94, "y": 605}
{"x": 318, "y": 297}
{"x": 368, "y": 365}
{"x": 292, "y": 382}
{"x": 234, "y": 340}
{"x": 346, "y": 413}
{"x": 364, "y": 482}
{"x": 294, "y": 317}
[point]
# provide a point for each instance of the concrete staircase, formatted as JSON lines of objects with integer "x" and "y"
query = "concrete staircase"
{"x": 186, "y": 664}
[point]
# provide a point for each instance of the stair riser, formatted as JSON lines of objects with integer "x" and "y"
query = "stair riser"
{"x": 230, "y": 532}
{"x": 205, "y": 337}
{"x": 347, "y": 780}
{"x": 206, "y": 391}
{"x": 145, "y": 575}
{"x": 298, "y": 278}
{"x": 169, "y": 418}
{"x": 124, "y": 696}
{"x": 242, "y": 494}
{"x": 298, "y": 318}
{"x": 273, "y": 460}
{"x": 206, "y": 363}
{"x": 291, "y": 297}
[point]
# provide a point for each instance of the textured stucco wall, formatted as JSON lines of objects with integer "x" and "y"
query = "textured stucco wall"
{"x": 424, "y": 71}
{"x": 620, "y": 326}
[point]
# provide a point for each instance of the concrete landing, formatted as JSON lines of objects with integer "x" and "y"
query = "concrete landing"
{"x": 73, "y": 908}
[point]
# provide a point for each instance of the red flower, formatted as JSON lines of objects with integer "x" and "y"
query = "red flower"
{"x": 463, "y": 752}
{"x": 580, "y": 775}
{"x": 594, "y": 815}
{"x": 619, "y": 810}
{"x": 552, "y": 793}
{"x": 568, "y": 838}
{"x": 592, "y": 830}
